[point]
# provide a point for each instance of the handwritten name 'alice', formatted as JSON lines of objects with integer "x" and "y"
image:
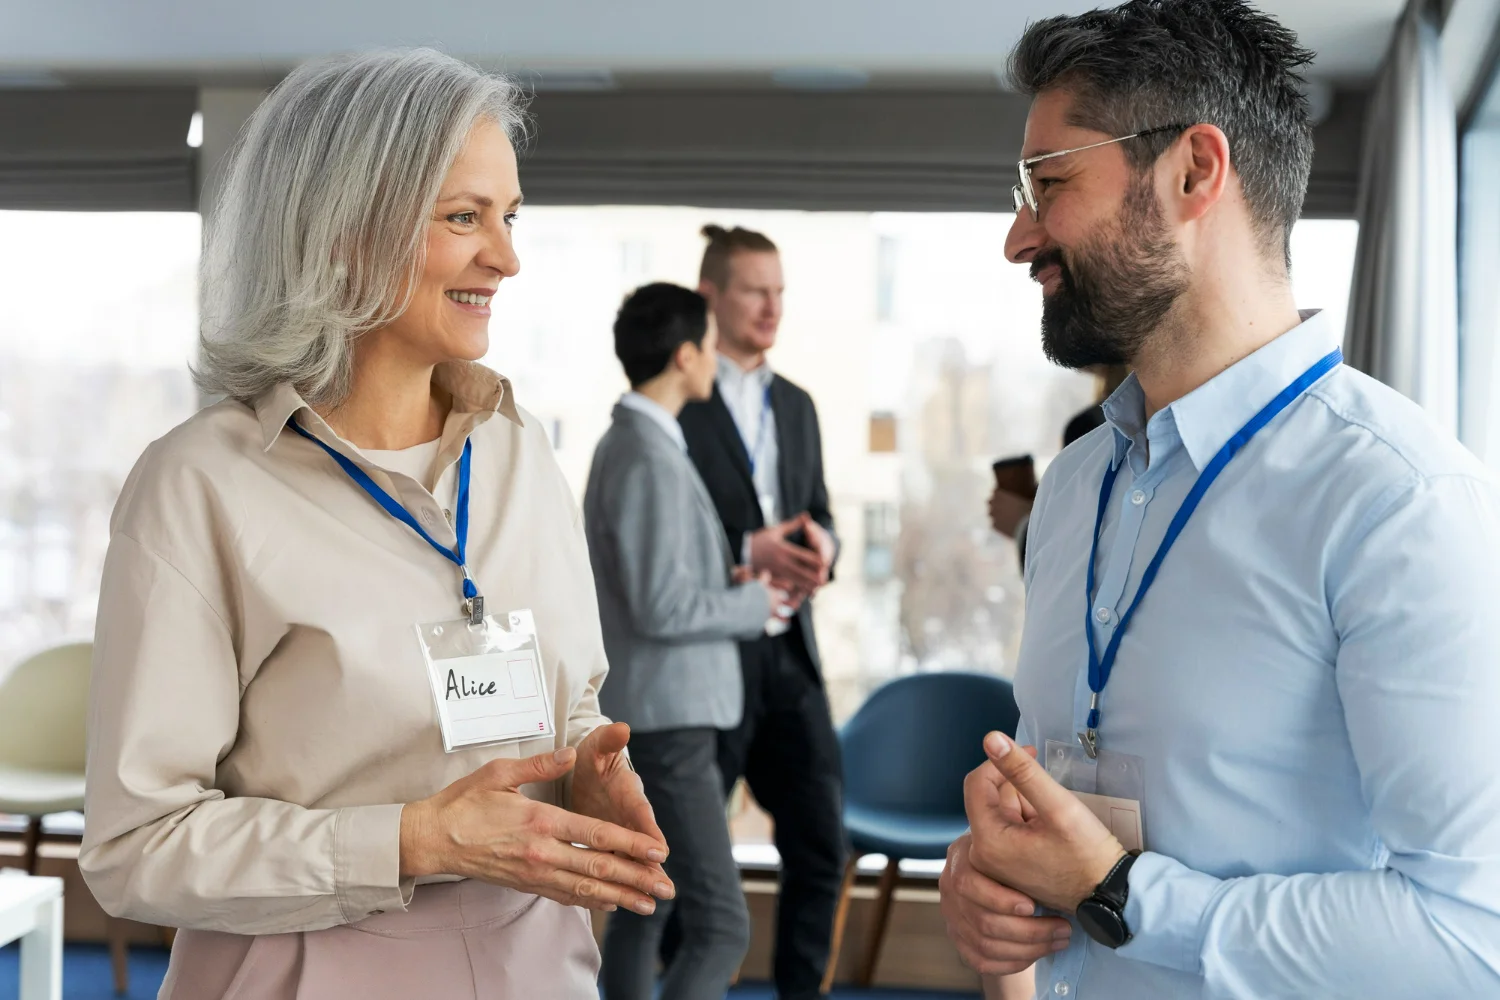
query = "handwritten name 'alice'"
{"x": 460, "y": 687}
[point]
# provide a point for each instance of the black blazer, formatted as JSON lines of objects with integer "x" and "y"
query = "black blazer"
{"x": 716, "y": 448}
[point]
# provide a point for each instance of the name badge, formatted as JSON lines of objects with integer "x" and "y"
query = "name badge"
{"x": 1121, "y": 816}
{"x": 1112, "y": 785}
{"x": 487, "y": 680}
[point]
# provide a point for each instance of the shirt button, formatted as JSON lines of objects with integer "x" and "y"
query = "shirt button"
{"x": 1102, "y": 614}
{"x": 1061, "y": 989}
{"x": 1138, "y": 498}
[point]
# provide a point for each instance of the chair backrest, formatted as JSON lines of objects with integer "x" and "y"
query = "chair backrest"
{"x": 912, "y": 742}
{"x": 44, "y": 706}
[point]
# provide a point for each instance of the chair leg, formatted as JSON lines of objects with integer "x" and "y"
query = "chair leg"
{"x": 119, "y": 956}
{"x": 883, "y": 897}
{"x": 840, "y": 921}
{"x": 29, "y": 843}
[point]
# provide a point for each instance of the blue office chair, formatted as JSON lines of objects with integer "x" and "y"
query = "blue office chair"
{"x": 906, "y": 753}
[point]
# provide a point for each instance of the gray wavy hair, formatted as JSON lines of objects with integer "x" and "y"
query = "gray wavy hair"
{"x": 319, "y": 231}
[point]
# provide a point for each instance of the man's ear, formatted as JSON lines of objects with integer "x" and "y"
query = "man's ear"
{"x": 1201, "y": 169}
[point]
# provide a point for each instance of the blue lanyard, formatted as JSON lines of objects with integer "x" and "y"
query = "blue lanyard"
{"x": 1100, "y": 669}
{"x": 473, "y": 603}
{"x": 753, "y": 454}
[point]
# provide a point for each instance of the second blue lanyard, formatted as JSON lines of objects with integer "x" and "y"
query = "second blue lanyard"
{"x": 753, "y": 452}
{"x": 1100, "y": 667}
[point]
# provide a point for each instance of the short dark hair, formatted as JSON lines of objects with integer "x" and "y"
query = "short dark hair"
{"x": 1153, "y": 63}
{"x": 723, "y": 244}
{"x": 654, "y": 321}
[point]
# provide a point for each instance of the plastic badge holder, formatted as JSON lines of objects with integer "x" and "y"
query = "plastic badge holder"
{"x": 487, "y": 680}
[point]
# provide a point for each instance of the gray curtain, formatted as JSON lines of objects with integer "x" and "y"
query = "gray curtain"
{"x": 98, "y": 149}
{"x": 870, "y": 150}
{"x": 1403, "y": 303}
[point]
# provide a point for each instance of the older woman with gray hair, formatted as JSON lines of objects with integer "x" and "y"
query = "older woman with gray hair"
{"x": 345, "y": 727}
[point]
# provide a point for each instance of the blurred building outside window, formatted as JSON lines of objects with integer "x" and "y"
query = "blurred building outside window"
{"x": 98, "y": 323}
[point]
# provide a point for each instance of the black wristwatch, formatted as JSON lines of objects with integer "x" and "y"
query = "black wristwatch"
{"x": 1102, "y": 915}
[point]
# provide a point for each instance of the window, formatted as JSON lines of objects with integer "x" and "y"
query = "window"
{"x": 882, "y": 529}
{"x": 886, "y": 249}
{"x": 98, "y": 323}
{"x": 1323, "y": 265}
{"x": 912, "y": 319}
{"x": 882, "y": 433}
{"x": 1479, "y": 263}
{"x": 915, "y": 320}
{"x": 635, "y": 262}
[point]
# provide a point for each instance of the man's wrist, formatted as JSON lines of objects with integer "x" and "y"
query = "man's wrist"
{"x": 1102, "y": 913}
{"x": 1098, "y": 872}
{"x": 1015, "y": 986}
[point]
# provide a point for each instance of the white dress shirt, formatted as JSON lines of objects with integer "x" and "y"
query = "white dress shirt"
{"x": 746, "y": 395}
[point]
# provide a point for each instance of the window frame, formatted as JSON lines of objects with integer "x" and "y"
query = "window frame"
{"x": 1476, "y": 421}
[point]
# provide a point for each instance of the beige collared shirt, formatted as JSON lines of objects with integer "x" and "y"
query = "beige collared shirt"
{"x": 260, "y": 707}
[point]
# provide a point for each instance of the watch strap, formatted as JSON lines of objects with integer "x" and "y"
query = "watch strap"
{"x": 1115, "y": 889}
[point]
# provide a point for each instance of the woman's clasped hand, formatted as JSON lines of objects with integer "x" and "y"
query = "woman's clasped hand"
{"x": 482, "y": 827}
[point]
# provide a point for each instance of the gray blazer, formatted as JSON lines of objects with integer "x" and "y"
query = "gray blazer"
{"x": 662, "y": 571}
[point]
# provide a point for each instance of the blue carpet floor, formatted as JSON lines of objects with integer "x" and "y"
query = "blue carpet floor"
{"x": 87, "y": 976}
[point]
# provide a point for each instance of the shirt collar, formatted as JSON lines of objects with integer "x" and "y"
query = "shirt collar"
{"x": 475, "y": 390}
{"x": 657, "y": 414}
{"x": 1208, "y": 416}
{"x": 735, "y": 378}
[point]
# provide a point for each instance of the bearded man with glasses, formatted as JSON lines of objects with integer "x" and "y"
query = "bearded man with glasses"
{"x": 1258, "y": 670}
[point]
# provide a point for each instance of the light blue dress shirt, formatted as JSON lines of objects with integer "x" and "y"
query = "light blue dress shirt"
{"x": 1312, "y": 682}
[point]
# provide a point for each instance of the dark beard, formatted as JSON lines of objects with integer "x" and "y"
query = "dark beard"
{"x": 1115, "y": 291}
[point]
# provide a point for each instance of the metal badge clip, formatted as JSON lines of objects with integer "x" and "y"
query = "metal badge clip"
{"x": 474, "y": 608}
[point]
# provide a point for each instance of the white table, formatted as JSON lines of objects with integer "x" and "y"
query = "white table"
{"x": 31, "y": 909}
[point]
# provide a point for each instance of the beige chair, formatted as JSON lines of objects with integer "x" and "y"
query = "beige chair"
{"x": 43, "y": 739}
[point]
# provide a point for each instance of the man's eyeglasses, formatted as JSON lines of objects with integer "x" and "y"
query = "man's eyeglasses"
{"x": 1025, "y": 195}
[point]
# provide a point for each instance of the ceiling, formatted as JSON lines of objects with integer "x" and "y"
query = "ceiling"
{"x": 579, "y": 44}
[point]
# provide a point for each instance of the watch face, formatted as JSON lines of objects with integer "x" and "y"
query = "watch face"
{"x": 1102, "y": 923}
